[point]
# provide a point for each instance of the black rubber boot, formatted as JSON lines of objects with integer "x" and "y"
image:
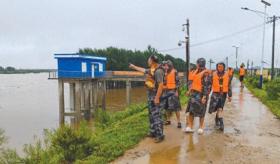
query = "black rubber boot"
{"x": 221, "y": 124}
{"x": 179, "y": 125}
{"x": 217, "y": 123}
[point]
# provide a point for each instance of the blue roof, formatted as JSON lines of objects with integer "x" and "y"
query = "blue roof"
{"x": 84, "y": 56}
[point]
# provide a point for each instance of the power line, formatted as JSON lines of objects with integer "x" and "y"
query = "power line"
{"x": 215, "y": 39}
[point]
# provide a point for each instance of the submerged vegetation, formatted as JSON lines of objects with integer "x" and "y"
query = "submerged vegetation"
{"x": 269, "y": 95}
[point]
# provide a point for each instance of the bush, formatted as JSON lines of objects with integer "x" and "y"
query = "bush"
{"x": 273, "y": 89}
{"x": 7, "y": 156}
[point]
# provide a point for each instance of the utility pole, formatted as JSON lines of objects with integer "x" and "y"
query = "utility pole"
{"x": 187, "y": 38}
{"x": 252, "y": 67}
{"x": 273, "y": 20}
{"x": 186, "y": 28}
{"x": 273, "y": 47}
{"x": 236, "y": 56}
{"x": 210, "y": 63}
{"x": 227, "y": 62}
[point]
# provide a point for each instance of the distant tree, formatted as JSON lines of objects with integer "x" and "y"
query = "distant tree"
{"x": 118, "y": 58}
{"x": 2, "y": 68}
{"x": 10, "y": 68}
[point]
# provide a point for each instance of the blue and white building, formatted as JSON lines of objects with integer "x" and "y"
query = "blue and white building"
{"x": 80, "y": 66}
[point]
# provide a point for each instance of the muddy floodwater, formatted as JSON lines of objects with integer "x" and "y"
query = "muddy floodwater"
{"x": 29, "y": 104}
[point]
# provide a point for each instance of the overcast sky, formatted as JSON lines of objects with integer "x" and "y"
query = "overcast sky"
{"x": 31, "y": 31}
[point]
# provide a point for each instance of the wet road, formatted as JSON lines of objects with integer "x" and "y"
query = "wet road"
{"x": 252, "y": 135}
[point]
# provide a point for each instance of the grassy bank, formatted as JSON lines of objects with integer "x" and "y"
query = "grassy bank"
{"x": 269, "y": 95}
{"x": 113, "y": 134}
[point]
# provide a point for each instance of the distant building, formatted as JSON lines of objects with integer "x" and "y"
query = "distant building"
{"x": 80, "y": 66}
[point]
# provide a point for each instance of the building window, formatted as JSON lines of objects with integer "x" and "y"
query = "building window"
{"x": 84, "y": 67}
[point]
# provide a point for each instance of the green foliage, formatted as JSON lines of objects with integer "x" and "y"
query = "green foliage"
{"x": 273, "y": 89}
{"x": 7, "y": 156}
{"x": 269, "y": 96}
{"x": 118, "y": 59}
{"x": 64, "y": 145}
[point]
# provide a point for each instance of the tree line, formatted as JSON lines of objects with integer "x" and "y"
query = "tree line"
{"x": 118, "y": 58}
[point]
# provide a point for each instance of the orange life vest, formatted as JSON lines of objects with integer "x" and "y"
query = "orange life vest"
{"x": 191, "y": 75}
{"x": 170, "y": 80}
{"x": 241, "y": 71}
{"x": 220, "y": 83}
{"x": 150, "y": 82}
{"x": 197, "y": 80}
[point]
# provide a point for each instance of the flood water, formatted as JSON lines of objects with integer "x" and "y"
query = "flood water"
{"x": 29, "y": 104}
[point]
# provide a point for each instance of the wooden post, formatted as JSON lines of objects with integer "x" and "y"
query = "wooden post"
{"x": 78, "y": 101}
{"x": 104, "y": 95}
{"x": 61, "y": 101}
{"x": 128, "y": 89}
{"x": 87, "y": 115}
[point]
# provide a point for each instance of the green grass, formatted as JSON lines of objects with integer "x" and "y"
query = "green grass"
{"x": 261, "y": 94}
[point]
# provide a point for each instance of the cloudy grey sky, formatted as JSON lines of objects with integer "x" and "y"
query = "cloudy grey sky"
{"x": 31, "y": 31}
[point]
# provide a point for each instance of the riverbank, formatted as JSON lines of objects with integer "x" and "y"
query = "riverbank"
{"x": 272, "y": 88}
{"x": 25, "y": 71}
{"x": 111, "y": 135}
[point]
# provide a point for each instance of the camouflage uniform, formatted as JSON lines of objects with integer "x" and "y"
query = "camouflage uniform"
{"x": 218, "y": 99}
{"x": 156, "y": 122}
{"x": 172, "y": 103}
{"x": 195, "y": 107}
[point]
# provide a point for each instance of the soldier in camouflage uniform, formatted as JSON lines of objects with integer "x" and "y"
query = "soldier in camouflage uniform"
{"x": 154, "y": 84}
{"x": 171, "y": 87}
{"x": 221, "y": 88}
{"x": 199, "y": 92}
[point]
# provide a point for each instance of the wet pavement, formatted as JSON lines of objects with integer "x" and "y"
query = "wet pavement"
{"x": 252, "y": 135}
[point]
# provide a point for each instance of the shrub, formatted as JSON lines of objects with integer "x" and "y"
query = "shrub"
{"x": 273, "y": 89}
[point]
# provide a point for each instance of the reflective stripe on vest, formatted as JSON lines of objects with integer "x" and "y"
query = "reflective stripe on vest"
{"x": 220, "y": 83}
{"x": 171, "y": 80}
{"x": 197, "y": 80}
{"x": 241, "y": 71}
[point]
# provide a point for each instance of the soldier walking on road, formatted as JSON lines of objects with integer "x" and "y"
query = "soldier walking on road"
{"x": 199, "y": 91}
{"x": 221, "y": 88}
{"x": 171, "y": 86}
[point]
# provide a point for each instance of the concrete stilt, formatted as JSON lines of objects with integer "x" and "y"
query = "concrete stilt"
{"x": 61, "y": 101}
{"x": 95, "y": 92}
{"x": 128, "y": 91}
{"x": 72, "y": 100}
{"x": 87, "y": 112}
{"x": 78, "y": 101}
{"x": 104, "y": 95}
